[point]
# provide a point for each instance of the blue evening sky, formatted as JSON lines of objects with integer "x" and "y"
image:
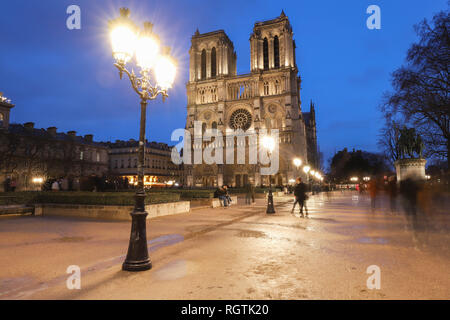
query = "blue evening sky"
{"x": 65, "y": 78}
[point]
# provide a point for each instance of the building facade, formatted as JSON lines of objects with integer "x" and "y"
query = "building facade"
{"x": 266, "y": 98}
{"x": 158, "y": 167}
{"x": 29, "y": 156}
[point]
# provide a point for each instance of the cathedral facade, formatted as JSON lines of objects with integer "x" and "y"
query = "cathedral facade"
{"x": 265, "y": 99}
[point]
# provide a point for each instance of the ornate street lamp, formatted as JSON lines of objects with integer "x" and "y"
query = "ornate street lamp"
{"x": 269, "y": 144}
{"x": 127, "y": 41}
{"x": 297, "y": 162}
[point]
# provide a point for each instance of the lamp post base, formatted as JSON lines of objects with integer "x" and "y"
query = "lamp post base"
{"x": 137, "y": 265}
{"x": 137, "y": 256}
{"x": 270, "y": 208}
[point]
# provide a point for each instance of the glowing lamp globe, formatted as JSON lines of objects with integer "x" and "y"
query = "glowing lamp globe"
{"x": 123, "y": 37}
{"x": 165, "y": 70}
{"x": 147, "y": 48}
{"x": 268, "y": 143}
{"x": 297, "y": 162}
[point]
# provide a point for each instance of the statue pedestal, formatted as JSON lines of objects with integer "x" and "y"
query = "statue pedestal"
{"x": 410, "y": 168}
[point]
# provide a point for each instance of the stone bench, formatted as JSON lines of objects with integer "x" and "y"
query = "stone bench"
{"x": 210, "y": 203}
{"x": 216, "y": 202}
{"x": 103, "y": 212}
{"x": 16, "y": 209}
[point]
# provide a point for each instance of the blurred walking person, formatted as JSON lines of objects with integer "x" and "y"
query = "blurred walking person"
{"x": 392, "y": 191}
{"x": 249, "y": 193}
{"x": 300, "y": 197}
{"x": 409, "y": 189}
{"x": 373, "y": 191}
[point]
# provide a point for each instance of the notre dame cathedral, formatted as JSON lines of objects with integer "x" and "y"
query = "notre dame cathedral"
{"x": 266, "y": 98}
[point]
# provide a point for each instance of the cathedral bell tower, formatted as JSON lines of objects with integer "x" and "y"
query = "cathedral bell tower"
{"x": 272, "y": 45}
{"x": 211, "y": 55}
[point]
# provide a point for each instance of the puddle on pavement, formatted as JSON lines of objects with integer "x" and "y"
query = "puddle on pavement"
{"x": 251, "y": 234}
{"x": 172, "y": 271}
{"x": 23, "y": 287}
{"x": 372, "y": 240}
{"x": 164, "y": 241}
{"x": 71, "y": 239}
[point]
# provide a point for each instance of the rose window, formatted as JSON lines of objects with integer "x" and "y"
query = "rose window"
{"x": 241, "y": 119}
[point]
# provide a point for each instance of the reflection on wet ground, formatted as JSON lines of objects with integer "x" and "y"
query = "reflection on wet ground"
{"x": 244, "y": 253}
{"x": 372, "y": 240}
{"x": 23, "y": 287}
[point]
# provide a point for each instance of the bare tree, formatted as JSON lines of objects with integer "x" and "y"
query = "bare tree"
{"x": 388, "y": 140}
{"x": 421, "y": 87}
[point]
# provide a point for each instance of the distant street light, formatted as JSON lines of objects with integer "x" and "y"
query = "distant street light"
{"x": 38, "y": 180}
{"x": 128, "y": 41}
{"x": 269, "y": 144}
{"x": 297, "y": 162}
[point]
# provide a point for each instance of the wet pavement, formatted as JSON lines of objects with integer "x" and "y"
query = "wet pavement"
{"x": 235, "y": 253}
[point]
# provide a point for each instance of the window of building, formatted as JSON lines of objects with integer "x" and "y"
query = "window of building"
{"x": 135, "y": 163}
{"x": 213, "y": 63}
{"x": 277, "y": 87}
{"x": 202, "y": 96}
{"x": 203, "y": 65}
{"x": 2, "y": 119}
{"x": 129, "y": 162}
{"x": 121, "y": 163}
{"x": 81, "y": 155}
{"x": 98, "y": 156}
{"x": 116, "y": 163}
{"x": 276, "y": 52}
{"x": 214, "y": 125}
{"x": 266, "y": 53}
{"x": 266, "y": 88}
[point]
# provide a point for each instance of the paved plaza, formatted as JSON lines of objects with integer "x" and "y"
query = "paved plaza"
{"x": 235, "y": 253}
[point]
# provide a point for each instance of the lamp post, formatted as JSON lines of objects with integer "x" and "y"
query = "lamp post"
{"x": 297, "y": 162}
{"x": 306, "y": 170}
{"x": 127, "y": 41}
{"x": 269, "y": 144}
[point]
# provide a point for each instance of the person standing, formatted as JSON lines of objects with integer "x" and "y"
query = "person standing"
{"x": 13, "y": 185}
{"x": 65, "y": 184}
{"x": 55, "y": 185}
{"x": 300, "y": 197}
{"x": 249, "y": 193}
{"x": 7, "y": 184}
{"x": 221, "y": 193}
